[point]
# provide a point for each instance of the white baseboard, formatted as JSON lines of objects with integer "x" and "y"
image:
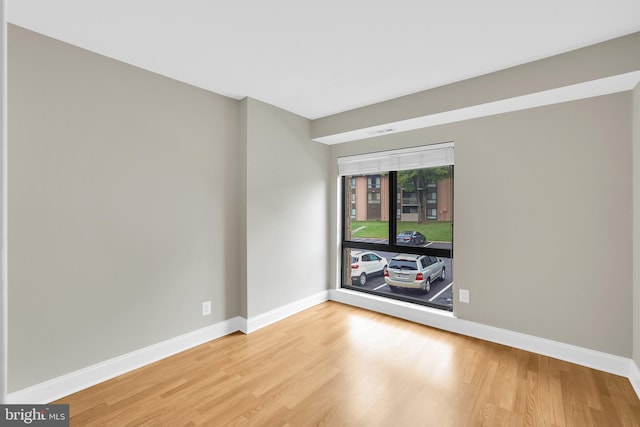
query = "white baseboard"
{"x": 634, "y": 377}
{"x": 447, "y": 321}
{"x": 265, "y": 319}
{"x": 67, "y": 384}
{"x": 64, "y": 385}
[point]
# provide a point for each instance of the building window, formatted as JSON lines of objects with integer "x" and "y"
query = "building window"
{"x": 373, "y": 182}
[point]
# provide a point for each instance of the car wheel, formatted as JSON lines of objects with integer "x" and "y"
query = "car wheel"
{"x": 427, "y": 286}
{"x": 393, "y": 288}
{"x": 443, "y": 275}
{"x": 362, "y": 279}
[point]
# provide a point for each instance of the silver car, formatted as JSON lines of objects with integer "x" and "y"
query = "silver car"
{"x": 414, "y": 272}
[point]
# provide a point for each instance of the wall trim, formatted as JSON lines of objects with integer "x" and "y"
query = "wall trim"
{"x": 260, "y": 321}
{"x": 447, "y": 321}
{"x": 64, "y": 385}
{"x": 73, "y": 382}
{"x": 634, "y": 377}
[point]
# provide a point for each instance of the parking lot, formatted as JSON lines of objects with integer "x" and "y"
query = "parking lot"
{"x": 441, "y": 292}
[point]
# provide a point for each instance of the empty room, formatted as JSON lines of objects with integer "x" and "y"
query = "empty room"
{"x": 333, "y": 213}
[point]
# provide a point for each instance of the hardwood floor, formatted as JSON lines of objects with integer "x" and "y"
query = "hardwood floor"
{"x": 336, "y": 365}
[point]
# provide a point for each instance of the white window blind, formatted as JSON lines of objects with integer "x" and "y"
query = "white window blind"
{"x": 427, "y": 156}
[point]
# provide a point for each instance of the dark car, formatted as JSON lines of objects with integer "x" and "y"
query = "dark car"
{"x": 411, "y": 238}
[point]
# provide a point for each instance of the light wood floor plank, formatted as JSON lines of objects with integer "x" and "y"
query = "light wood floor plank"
{"x": 336, "y": 365}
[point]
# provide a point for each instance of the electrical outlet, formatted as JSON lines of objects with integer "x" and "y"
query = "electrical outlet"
{"x": 206, "y": 308}
{"x": 464, "y": 295}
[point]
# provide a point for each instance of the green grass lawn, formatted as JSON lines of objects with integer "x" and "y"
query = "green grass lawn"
{"x": 435, "y": 231}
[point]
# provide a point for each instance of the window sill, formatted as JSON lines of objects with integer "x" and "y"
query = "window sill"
{"x": 404, "y": 310}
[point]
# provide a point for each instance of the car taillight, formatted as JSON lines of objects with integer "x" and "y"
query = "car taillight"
{"x": 386, "y": 273}
{"x": 419, "y": 276}
{"x": 354, "y": 266}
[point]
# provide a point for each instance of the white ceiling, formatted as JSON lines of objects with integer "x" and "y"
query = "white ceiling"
{"x": 323, "y": 57}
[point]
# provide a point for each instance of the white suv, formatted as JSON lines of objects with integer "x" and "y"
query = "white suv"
{"x": 364, "y": 264}
{"x": 414, "y": 272}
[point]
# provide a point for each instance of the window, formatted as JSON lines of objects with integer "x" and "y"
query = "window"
{"x": 373, "y": 182}
{"x": 403, "y": 224}
{"x": 367, "y": 209}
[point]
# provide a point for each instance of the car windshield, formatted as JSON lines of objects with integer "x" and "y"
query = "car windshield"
{"x": 354, "y": 259}
{"x": 402, "y": 264}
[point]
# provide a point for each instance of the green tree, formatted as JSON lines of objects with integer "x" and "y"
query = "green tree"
{"x": 416, "y": 180}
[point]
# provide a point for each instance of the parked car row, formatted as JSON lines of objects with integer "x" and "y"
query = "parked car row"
{"x": 404, "y": 271}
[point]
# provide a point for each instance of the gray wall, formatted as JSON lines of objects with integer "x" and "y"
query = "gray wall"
{"x": 610, "y": 58}
{"x": 543, "y": 217}
{"x": 122, "y": 208}
{"x": 134, "y": 198}
{"x": 636, "y": 224}
{"x": 286, "y": 211}
{"x": 241, "y": 235}
{"x": 3, "y": 128}
{"x": 541, "y": 193}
